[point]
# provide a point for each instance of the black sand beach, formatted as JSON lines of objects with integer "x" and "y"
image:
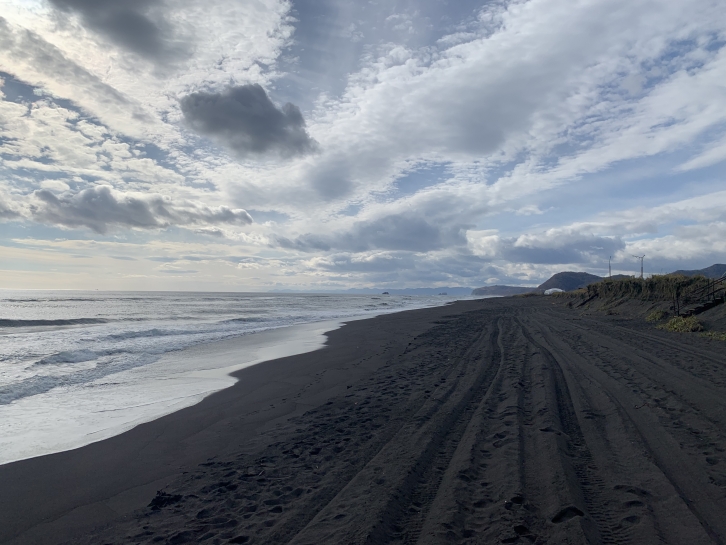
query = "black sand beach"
{"x": 510, "y": 420}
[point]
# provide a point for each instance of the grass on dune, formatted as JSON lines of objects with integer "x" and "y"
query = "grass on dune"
{"x": 679, "y": 324}
{"x": 656, "y": 316}
{"x": 655, "y": 288}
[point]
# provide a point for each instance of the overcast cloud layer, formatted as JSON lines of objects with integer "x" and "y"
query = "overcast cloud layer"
{"x": 336, "y": 144}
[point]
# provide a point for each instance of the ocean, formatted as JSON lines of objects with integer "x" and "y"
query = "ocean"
{"x": 77, "y": 367}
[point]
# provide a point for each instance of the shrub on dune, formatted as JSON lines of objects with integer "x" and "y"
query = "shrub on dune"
{"x": 656, "y": 316}
{"x": 682, "y": 325}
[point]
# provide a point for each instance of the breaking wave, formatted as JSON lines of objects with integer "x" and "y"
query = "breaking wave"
{"x": 40, "y": 323}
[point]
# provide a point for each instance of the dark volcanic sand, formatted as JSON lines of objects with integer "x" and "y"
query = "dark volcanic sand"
{"x": 495, "y": 421}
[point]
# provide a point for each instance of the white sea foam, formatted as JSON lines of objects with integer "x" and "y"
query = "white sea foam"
{"x": 70, "y": 356}
{"x": 81, "y": 368}
{"x": 70, "y": 417}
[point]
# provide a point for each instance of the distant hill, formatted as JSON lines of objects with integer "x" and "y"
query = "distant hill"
{"x": 491, "y": 291}
{"x": 568, "y": 281}
{"x": 565, "y": 281}
{"x": 714, "y": 271}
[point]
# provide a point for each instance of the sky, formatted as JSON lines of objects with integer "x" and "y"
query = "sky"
{"x": 255, "y": 145}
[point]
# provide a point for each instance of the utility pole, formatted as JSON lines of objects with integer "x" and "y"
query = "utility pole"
{"x": 610, "y": 270}
{"x": 641, "y": 257}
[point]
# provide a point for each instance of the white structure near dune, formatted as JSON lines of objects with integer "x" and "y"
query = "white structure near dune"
{"x": 553, "y": 290}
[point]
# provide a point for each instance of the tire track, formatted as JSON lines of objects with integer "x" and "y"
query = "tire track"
{"x": 589, "y": 485}
{"x": 667, "y": 376}
{"x": 619, "y": 459}
{"x": 650, "y": 343}
{"x": 406, "y": 511}
{"x": 693, "y": 413}
{"x": 670, "y": 460}
{"x": 464, "y": 501}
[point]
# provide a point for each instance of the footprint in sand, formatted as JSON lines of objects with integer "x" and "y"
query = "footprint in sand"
{"x": 566, "y": 514}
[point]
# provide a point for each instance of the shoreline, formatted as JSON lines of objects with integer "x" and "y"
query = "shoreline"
{"x": 105, "y": 487}
{"x": 62, "y": 424}
{"x": 171, "y": 392}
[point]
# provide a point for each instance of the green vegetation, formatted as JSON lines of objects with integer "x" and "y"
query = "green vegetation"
{"x": 656, "y": 316}
{"x": 655, "y": 288}
{"x": 715, "y": 335}
{"x": 682, "y": 325}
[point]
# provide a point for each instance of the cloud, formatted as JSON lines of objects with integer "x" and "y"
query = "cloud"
{"x": 393, "y": 232}
{"x": 560, "y": 247}
{"x": 400, "y": 232}
{"x": 541, "y": 135}
{"x": 138, "y": 26}
{"x": 210, "y": 231}
{"x": 101, "y": 208}
{"x": 695, "y": 244}
{"x": 44, "y": 65}
{"x": 6, "y": 211}
{"x": 566, "y": 245}
{"x": 378, "y": 264}
{"x": 712, "y": 155}
{"x": 244, "y": 119}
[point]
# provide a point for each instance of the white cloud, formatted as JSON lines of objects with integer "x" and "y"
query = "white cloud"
{"x": 713, "y": 154}
{"x": 528, "y": 100}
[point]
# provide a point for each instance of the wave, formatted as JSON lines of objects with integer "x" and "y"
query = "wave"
{"x": 244, "y": 320}
{"x": 40, "y": 323}
{"x": 150, "y": 333}
{"x": 70, "y": 356}
{"x": 40, "y": 384}
{"x": 54, "y": 300}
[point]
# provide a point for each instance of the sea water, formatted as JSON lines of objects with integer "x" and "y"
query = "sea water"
{"x": 77, "y": 367}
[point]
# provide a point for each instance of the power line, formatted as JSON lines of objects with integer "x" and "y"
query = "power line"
{"x": 641, "y": 257}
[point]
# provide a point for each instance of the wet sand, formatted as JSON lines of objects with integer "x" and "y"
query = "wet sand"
{"x": 495, "y": 421}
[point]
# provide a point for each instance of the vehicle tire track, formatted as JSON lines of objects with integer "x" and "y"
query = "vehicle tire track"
{"x": 407, "y": 510}
{"x": 456, "y": 509}
{"x": 692, "y": 412}
{"x": 589, "y": 485}
{"x": 659, "y": 446}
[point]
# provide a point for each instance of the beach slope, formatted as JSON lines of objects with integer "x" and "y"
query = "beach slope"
{"x": 510, "y": 420}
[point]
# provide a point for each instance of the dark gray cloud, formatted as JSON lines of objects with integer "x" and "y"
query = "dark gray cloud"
{"x": 394, "y": 233}
{"x": 398, "y": 232}
{"x": 101, "y": 209}
{"x": 136, "y": 25}
{"x": 244, "y": 119}
{"x": 305, "y": 243}
{"x": 210, "y": 231}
